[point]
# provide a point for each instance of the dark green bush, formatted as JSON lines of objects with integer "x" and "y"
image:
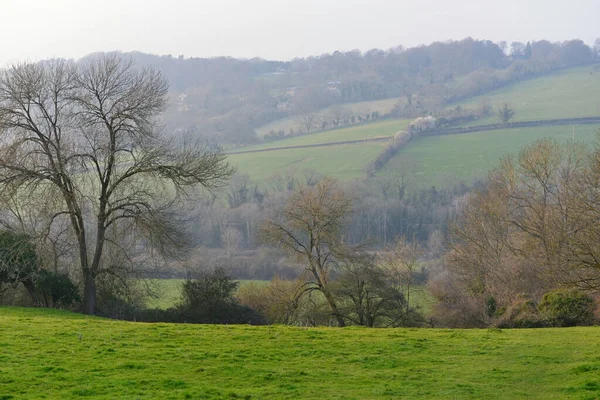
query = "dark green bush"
{"x": 567, "y": 308}
{"x": 56, "y": 290}
{"x": 209, "y": 299}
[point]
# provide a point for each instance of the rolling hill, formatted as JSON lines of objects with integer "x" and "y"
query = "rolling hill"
{"x": 441, "y": 160}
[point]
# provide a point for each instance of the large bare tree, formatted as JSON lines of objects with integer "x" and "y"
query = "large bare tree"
{"x": 87, "y": 137}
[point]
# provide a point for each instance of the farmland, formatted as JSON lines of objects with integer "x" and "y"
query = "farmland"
{"x": 440, "y": 160}
{"x": 342, "y": 161}
{"x": 570, "y": 93}
{"x": 56, "y": 354}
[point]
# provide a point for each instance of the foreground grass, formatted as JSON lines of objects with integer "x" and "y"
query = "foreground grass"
{"x": 449, "y": 159}
{"x": 53, "y": 354}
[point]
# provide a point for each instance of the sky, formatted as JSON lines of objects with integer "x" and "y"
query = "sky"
{"x": 277, "y": 29}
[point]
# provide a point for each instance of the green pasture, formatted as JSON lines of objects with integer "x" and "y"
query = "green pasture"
{"x": 450, "y": 159}
{"x": 378, "y": 129}
{"x": 345, "y": 162}
{"x": 570, "y": 93}
{"x": 50, "y": 354}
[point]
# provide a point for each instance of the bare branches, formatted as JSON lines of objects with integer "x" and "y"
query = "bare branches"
{"x": 91, "y": 131}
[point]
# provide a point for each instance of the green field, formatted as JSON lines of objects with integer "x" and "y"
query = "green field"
{"x": 383, "y": 128}
{"x": 360, "y": 108}
{"x": 58, "y": 355}
{"x": 569, "y": 93}
{"x": 449, "y": 159}
{"x": 345, "y": 162}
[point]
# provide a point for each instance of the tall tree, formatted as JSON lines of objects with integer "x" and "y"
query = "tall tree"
{"x": 87, "y": 134}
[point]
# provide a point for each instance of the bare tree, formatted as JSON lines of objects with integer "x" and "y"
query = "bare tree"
{"x": 309, "y": 226}
{"x": 309, "y": 121}
{"x": 88, "y": 134}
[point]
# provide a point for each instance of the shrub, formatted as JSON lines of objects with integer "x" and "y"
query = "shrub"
{"x": 521, "y": 313}
{"x": 56, "y": 290}
{"x": 209, "y": 299}
{"x": 277, "y": 300}
{"x": 567, "y": 308}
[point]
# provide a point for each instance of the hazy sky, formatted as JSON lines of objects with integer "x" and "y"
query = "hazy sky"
{"x": 277, "y": 29}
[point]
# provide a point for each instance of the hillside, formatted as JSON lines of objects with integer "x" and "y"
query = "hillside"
{"x": 450, "y": 159}
{"x": 568, "y": 93}
{"x": 54, "y": 354}
{"x": 343, "y": 161}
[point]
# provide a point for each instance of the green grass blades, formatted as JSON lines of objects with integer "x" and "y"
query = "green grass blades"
{"x": 58, "y": 355}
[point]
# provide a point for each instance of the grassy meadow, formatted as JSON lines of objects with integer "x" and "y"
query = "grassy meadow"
{"x": 450, "y": 159}
{"x": 54, "y": 354}
{"x": 345, "y": 162}
{"x": 570, "y": 93}
{"x": 372, "y": 130}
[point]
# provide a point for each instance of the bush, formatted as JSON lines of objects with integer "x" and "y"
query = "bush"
{"x": 567, "y": 308}
{"x": 56, "y": 290}
{"x": 522, "y": 313}
{"x": 209, "y": 299}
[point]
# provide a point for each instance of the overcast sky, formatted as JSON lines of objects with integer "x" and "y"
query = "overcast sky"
{"x": 277, "y": 29}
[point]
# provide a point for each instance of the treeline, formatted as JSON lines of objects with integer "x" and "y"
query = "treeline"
{"x": 225, "y": 99}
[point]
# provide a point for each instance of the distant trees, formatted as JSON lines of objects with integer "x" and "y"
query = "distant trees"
{"x": 505, "y": 113}
{"x": 86, "y": 138}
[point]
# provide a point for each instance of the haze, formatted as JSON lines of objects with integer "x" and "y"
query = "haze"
{"x": 275, "y": 29}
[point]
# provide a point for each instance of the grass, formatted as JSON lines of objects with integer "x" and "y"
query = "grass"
{"x": 570, "y": 93}
{"x": 55, "y": 354}
{"x": 345, "y": 162}
{"x": 449, "y": 159}
{"x": 382, "y": 128}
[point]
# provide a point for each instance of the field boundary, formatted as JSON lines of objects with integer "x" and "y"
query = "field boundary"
{"x": 513, "y": 125}
{"x": 305, "y": 146}
{"x": 446, "y": 131}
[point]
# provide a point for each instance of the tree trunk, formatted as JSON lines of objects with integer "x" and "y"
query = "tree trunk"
{"x": 30, "y": 287}
{"x": 89, "y": 295}
{"x": 334, "y": 309}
